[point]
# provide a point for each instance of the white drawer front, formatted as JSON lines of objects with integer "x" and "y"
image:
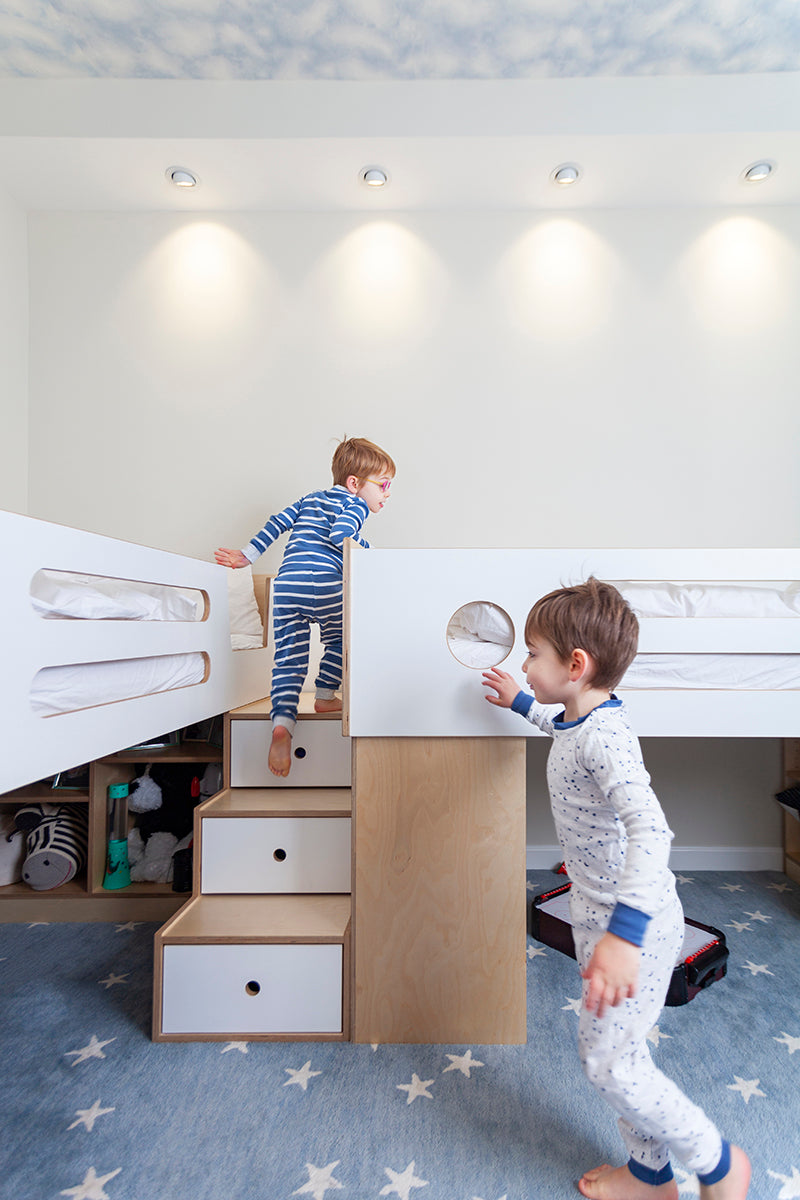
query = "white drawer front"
{"x": 320, "y": 755}
{"x": 275, "y": 854}
{"x": 252, "y": 989}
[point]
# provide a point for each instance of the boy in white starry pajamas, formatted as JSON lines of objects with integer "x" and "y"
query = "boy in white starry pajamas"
{"x": 626, "y": 917}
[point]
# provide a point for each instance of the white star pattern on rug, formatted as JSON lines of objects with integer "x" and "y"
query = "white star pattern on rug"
{"x": 128, "y": 925}
{"x": 791, "y": 1184}
{"x": 402, "y": 1182}
{"x": 572, "y": 1005}
{"x": 504, "y": 1197}
{"x": 739, "y": 926}
{"x": 300, "y": 1076}
{"x": 731, "y": 887}
{"x": 747, "y": 1087}
{"x": 655, "y": 1035}
{"x": 88, "y": 1116}
{"x": 536, "y": 952}
{"x": 417, "y": 1087}
{"x": 757, "y": 916}
{"x": 786, "y": 1039}
{"x": 240, "y": 1046}
{"x": 779, "y": 887}
{"x": 684, "y": 879}
{"x": 112, "y": 979}
{"x": 92, "y": 1186}
{"x": 320, "y": 1180}
{"x": 93, "y": 1050}
{"x": 756, "y": 968}
{"x": 463, "y": 1063}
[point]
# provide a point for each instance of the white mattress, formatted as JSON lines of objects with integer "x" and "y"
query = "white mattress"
{"x": 740, "y": 672}
{"x": 85, "y": 685}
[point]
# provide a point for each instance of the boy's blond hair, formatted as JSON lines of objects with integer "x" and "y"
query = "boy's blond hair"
{"x": 591, "y": 616}
{"x": 359, "y": 457}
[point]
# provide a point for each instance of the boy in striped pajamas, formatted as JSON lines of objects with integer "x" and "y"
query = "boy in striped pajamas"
{"x": 626, "y": 917}
{"x": 308, "y": 586}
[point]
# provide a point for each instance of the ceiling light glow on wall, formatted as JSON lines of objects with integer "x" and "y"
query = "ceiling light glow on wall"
{"x": 374, "y": 177}
{"x": 566, "y": 175}
{"x": 181, "y": 177}
{"x": 758, "y": 171}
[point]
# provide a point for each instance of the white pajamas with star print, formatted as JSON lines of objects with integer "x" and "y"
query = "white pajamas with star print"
{"x": 615, "y": 842}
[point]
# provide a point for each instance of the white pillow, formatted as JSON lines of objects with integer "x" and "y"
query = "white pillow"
{"x": 245, "y": 617}
{"x": 482, "y": 620}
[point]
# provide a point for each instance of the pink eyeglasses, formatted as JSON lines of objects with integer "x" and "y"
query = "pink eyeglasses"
{"x": 383, "y": 484}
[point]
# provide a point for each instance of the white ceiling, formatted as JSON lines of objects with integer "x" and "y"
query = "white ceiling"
{"x": 467, "y": 103}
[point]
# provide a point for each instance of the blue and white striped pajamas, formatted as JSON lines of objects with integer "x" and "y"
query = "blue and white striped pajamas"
{"x": 616, "y": 842}
{"x": 308, "y": 590}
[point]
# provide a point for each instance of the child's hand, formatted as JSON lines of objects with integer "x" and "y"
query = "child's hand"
{"x": 612, "y": 973}
{"x": 231, "y": 558}
{"x": 504, "y": 684}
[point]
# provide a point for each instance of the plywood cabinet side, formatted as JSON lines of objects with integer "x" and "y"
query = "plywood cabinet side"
{"x": 439, "y": 896}
{"x": 791, "y": 824}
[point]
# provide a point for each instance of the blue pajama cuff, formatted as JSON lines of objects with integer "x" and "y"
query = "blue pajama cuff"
{"x": 522, "y": 704}
{"x": 649, "y": 1174}
{"x": 721, "y": 1169}
{"x": 629, "y": 924}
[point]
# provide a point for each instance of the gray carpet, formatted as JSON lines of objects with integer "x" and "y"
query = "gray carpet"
{"x": 94, "y": 1110}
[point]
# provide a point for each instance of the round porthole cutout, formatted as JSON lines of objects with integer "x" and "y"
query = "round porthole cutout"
{"x": 480, "y": 634}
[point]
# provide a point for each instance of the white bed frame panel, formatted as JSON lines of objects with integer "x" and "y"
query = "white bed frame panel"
{"x": 403, "y": 681}
{"x": 35, "y": 746}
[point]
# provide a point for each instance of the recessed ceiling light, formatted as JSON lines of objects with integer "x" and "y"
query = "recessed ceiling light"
{"x": 758, "y": 171}
{"x": 374, "y": 177}
{"x": 566, "y": 175}
{"x": 181, "y": 177}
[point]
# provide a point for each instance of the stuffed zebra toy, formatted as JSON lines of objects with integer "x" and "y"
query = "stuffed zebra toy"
{"x": 57, "y": 841}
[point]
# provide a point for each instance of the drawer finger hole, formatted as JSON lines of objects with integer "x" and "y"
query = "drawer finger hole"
{"x": 252, "y": 987}
{"x": 279, "y": 855}
{"x": 300, "y": 752}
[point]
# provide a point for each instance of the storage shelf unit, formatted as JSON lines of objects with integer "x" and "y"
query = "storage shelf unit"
{"x": 84, "y": 898}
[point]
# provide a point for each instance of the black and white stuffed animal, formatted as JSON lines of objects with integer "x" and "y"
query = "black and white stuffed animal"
{"x": 57, "y": 836}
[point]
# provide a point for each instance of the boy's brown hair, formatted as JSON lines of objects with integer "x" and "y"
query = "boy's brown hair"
{"x": 590, "y": 616}
{"x": 359, "y": 457}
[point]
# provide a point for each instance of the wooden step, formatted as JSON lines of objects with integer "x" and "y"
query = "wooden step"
{"x": 279, "y": 802}
{"x": 239, "y": 919}
{"x": 260, "y": 710}
{"x": 261, "y": 968}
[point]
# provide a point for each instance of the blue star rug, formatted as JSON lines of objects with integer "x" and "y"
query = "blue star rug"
{"x": 94, "y": 1110}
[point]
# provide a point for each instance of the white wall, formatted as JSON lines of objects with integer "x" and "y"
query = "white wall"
{"x": 618, "y": 378}
{"x": 13, "y": 356}
{"x": 613, "y": 378}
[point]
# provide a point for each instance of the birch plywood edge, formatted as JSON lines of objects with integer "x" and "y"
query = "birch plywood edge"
{"x": 348, "y": 543}
{"x": 439, "y": 895}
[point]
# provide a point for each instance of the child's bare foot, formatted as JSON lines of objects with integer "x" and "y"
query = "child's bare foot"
{"x": 280, "y": 751}
{"x": 617, "y": 1183}
{"x": 332, "y": 705}
{"x": 735, "y": 1184}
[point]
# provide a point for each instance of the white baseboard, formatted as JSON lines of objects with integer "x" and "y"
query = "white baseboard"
{"x": 684, "y": 858}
